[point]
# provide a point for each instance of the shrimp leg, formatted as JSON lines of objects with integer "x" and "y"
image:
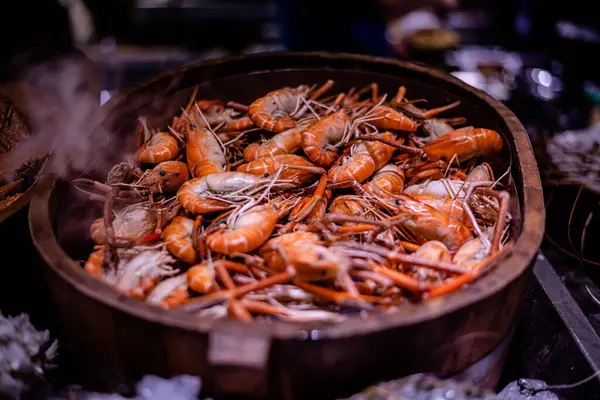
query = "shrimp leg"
{"x": 479, "y": 269}
{"x": 212, "y": 299}
{"x": 341, "y": 298}
{"x": 307, "y": 208}
{"x": 234, "y": 307}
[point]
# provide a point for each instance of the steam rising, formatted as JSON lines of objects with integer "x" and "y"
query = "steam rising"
{"x": 61, "y": 101}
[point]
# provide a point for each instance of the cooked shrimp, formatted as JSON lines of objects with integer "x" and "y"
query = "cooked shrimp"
{"x": 388, "y": 180}
{"x": 314, "y": 262}
{"x": 130, "y": 223}
{"x": 465, "y": 143}
{"x": 204, "y": 153}
{"x": 432, "y": 250}
{"x": 439, "y": 188}
{"x": 452, "y": 187}
{"x": 481, "y": 173}
{"x": 470, "y": 253}
{"x": 170, "y": 293}
{"x": 451, "y": 207}
{"x": 201, "y": 277}
{"x": 426, "y": 221}
{"x": 387, "y": 118}
{"x": 161, "y": 147}
{"x": 140, "y": 274}
{"x": 239, "y": 124}
{"x": 348, "y": 205}
{"x": 365, "y": 158}
{"x": 286, "y": 142}
{"x": 248, "y": 233}
{"x": 318, "y": 139}
{"x": 294, "y": 167}
{"x": 270, "y": 250}
{"x": 178, "y": 237}
{"x": 166, "y": 177}
{"x": 232, "y": 122}
{"x": 358, "y": 166}
{"x": 284, "y": 101}
{"x": 198, "y": 195}
{"x": 95, "y": 262}
{"x": 314, "y": 207}
{"x": 437, "y": 127}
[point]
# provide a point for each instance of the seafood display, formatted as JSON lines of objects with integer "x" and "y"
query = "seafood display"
{"x": 301, "y": 206}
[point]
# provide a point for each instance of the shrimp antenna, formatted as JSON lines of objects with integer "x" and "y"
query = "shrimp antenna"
{"x": 236, "y": 214}
{"x": 210, "y": 130}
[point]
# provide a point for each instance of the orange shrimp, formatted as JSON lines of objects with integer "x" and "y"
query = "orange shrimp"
{"x": 170, "y": 293}
{"x": 380, "y": 151}
{"x": 248, "y": 232}
{"x": 388, "y": 180}
{"x": 131, "y": 223}
{"x": 311, "y": 209}
{"x": 481, "y": 173}
{"x": 95, "y": 262}
{"x": 471, "y": 253}
{"x": 201, "y": 277}
{"x": 191, "y": 196}
{"x": 98, "y": 231}
{"x": 178, "y": 297}
{"x": 301, "y": 255}
{"x": 286, "y": 142}
{"x": 211, "y": 111}
{"x": 239, "y": 124}
{"x": 465, "y": 143}
{"x": 365, "y": 159}
{"x": 347, "y": 205}
{"x": 204, "y": 153}
{"x": 161, "y": 147}
{"x": 295, "y": 167}
{"x": 426, "y": 221}
{"x": 270, "y": 250}
{"x": 451, "y": 207}
{"x": 432, "y": 250}
{"x": 166, "y": 177}
{"x": 358, "y": 166}
{"x": 197, "y": 195}
{"x": 386, "y": 118}
{"x": 437, "y": 127}
{"x": 285, "y": 101}
{"x": 314, "y": 262}
{"x": 178, "y": 237}
{"x": 421, "y": 114}
{"x": 320, "y": 209}
{"x": 318, "y": 139}
{"x": 231, "y": 121}
{"x": 140, "y": 274}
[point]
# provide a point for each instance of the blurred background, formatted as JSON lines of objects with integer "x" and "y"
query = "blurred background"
{"x": 529, "y": 52}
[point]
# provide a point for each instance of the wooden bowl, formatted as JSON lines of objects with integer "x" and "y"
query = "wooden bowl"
{"x": 279, "y": 359}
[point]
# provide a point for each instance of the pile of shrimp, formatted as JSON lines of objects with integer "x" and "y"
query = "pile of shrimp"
{"x": 301, "y": 207}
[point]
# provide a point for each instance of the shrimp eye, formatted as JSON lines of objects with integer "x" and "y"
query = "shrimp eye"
{"x": 266, "y": 175}
{"x": 162, "y": 172}
{"x": 320, "y": 257}
{"x": 357, "y": 213}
